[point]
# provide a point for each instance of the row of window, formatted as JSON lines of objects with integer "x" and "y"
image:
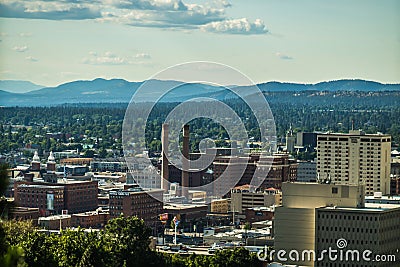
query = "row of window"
{"x": 347, "y": 217}
{"x": 347, "y": 229}
{"x": 349, "y": 242}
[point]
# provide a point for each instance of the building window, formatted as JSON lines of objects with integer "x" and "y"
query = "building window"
{"x": 334, "y": 190}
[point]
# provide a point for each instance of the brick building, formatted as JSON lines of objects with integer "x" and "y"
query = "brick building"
{"x": 282, "y": 169}
{"x": 52, "y": 198}
{"x": 22, "y": 213}
{"x": 258, "y": 214}
{"x": 395, "y": 185}
{"x": 90, "y": 219}
{"x": 144, "y": 204}
{"x": 76, "y": 161}
{"x": 80, "y": 196}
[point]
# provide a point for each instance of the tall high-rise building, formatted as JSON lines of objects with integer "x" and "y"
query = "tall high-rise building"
{"x": 355, "y": 158}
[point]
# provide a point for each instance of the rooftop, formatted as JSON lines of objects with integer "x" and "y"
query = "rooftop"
{"x": 183, "y": 206}
{"x": 356, "y": 133}
{"x": 389, "y": 198}
{"x": 369, "y": 207}
{"x": 39, "y": 186}
{"x": 54, "y": 217}
{"x": 135, "y": 190}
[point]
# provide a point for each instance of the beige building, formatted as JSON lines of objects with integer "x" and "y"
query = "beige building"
{"x": 316, "y": 217}
{"x": 244, "y": 198}
{"x": 55, "y": 222}
{"x": 295, "y": 219}
{"x": 220, "y": 205}
{"x": 355, "y": 158}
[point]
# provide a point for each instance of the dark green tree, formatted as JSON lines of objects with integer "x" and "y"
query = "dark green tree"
{"x": 128, "y": 238}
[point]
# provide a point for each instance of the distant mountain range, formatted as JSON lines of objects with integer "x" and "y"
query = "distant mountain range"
{"x": 119, "y": 90}
{"x": 18, "y": 86}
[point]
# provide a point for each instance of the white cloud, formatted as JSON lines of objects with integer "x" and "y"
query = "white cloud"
{"x": 51, "y": 10}
{"x": 149, "y": 4}
{"x": 22, "y": 48}
{"x": 110, "y": 58}
{"x": 142, "y": 56}
{"x": 32, "y": 59}
{"x": 283, "y": 56}
{"x": 25, "y": 34}
{"x": 236, "y": 26}
{"x": 179, "y": 15}
{"x": 173, "y": 14}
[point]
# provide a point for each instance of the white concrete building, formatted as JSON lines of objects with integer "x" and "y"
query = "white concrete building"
{"x": 355, "y": 158}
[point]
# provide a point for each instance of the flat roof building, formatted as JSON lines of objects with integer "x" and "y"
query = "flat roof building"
{"x": 144, "y": 204}
{"x": 52, "y": 198}
{"x": 354, "y": 231}
{"x": 55, "y": 222}
{"x": 294, "y": 227}
{"x": 90, "y": 219}
{"x": 243, "y": 198}
{"x": 318, "y": 217}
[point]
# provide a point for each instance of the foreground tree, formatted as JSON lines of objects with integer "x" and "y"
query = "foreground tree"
{"x": 11, "y": 254}
{"x": 4, "y": 180}
{"x": 124, "y": 242}
{"x": 128, "y": 239}
{"x": 239, "y": 257}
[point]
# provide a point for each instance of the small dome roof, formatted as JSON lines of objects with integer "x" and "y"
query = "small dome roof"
{"x": 36, "y": 157}
{"x": 51, "y": 157}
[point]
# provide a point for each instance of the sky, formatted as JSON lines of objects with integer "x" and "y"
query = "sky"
{"x": 53, "y": 42}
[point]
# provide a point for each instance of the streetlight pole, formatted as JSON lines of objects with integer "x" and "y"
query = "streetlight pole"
{"x": 176, "y": 226}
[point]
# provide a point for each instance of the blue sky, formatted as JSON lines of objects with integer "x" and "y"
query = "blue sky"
{"x": 52, "y": 42}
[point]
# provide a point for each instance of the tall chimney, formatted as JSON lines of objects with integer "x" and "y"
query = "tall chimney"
{"x": 164, "y": 166}
{"x": 185, "y": 162}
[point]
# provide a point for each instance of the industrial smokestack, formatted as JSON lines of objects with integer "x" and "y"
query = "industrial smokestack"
{"x": 185, "y": 162}
{"x": 164, "y": 166}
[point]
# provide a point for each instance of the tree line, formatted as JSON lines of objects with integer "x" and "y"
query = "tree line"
{"x": 98, "y": 127}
